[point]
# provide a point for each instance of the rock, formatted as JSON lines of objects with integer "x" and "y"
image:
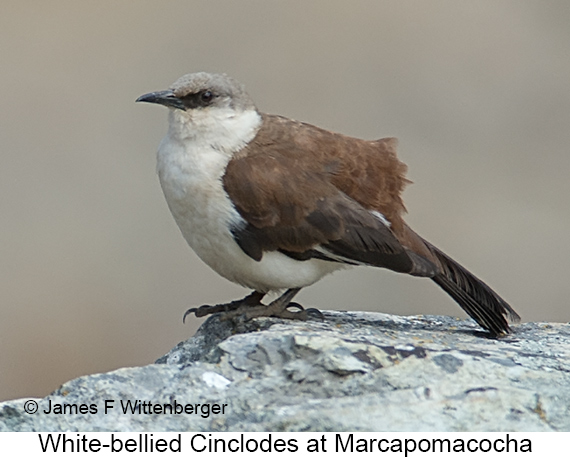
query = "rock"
{"x": 354, "y": 371}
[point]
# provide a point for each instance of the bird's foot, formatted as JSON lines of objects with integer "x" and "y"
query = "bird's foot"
{"x": 275, "y": 310}
{"x": 252, "y": 300}
{"x": 281, "y": 307}
{"x": 250, "y": 307}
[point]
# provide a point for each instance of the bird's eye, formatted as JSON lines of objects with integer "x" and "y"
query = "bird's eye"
{"x": 206, "y": 97}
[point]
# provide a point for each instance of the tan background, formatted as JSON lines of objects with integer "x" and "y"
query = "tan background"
{"x": 94, "y": 273}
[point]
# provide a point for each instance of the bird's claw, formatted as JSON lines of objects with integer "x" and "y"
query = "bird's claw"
{"x": 251, "y": 307}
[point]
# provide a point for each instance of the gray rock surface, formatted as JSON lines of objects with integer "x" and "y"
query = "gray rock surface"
{"x": 354, "y": 371}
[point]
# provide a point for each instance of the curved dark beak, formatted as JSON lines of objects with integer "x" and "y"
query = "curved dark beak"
{"x": 163, "y": 97}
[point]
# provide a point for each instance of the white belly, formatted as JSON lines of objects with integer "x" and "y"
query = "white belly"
{"x": 191, "y": 180}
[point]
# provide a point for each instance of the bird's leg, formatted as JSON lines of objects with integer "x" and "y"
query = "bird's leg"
{"x": 277, "y": 308}
{"x": 252, "y": 300}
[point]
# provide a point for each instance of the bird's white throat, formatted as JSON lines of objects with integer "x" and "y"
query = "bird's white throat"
{"x": 222, "y": 129}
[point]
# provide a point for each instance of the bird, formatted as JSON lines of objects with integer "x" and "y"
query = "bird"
{"x": 275, "y": 204}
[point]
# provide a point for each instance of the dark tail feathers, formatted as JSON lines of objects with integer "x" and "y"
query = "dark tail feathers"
{"x": 473, "y": 295}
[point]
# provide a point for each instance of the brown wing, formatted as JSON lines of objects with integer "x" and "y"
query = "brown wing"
{"x": 310, "y": 193}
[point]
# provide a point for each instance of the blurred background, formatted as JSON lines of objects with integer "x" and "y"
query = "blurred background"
{"x": 94, "y": 274}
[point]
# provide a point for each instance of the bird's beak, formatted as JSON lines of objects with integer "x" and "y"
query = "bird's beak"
{"x": 163, "y": 97}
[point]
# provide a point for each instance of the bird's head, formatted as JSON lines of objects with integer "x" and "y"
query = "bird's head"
{"x": 205, "y": 104}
